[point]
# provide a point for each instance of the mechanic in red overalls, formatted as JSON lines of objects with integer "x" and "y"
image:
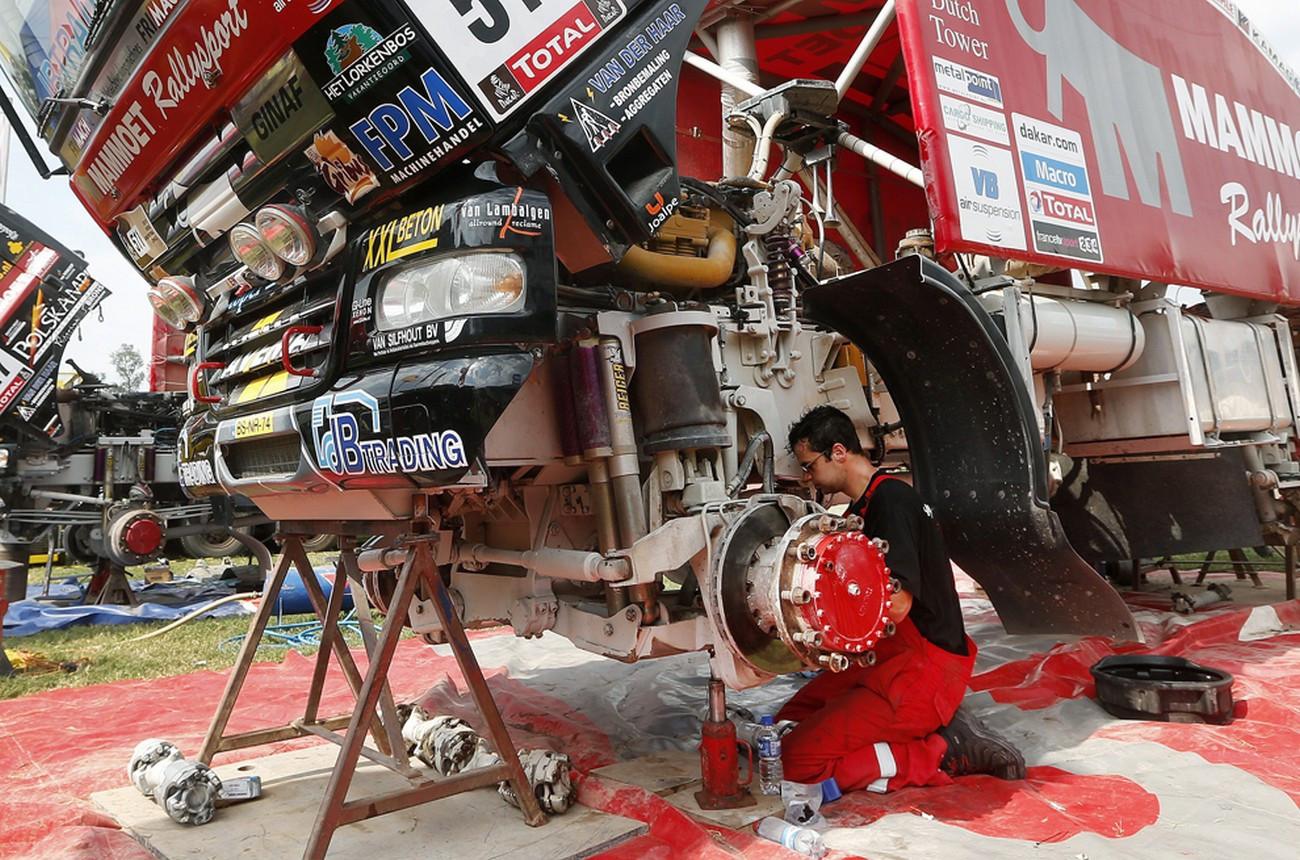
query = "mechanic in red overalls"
{"x": 896, "y": 723}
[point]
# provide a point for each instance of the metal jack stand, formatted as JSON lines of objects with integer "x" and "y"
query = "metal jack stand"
{"x": 375, "y": 711}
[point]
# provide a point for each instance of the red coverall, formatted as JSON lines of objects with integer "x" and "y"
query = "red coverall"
{"x": 873, "y": 726}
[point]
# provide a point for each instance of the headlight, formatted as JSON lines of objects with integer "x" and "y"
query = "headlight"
{"x": 246, "y": 241}
{"x": 177, "y": 301}
{"x": 465, "y": 285}
{"x": 288, "y": 234}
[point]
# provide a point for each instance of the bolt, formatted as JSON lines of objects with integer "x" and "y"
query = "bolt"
{"x": 807, "y": 552}
{"x": 855, "y": 589}
{"x": 630, "y": 613}
{"x": 609, "y": 629}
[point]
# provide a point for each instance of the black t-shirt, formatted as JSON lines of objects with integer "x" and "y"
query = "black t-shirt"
{"x": 892, "y": 510}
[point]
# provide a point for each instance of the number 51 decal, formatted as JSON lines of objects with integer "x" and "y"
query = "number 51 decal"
{"x": 508, "y": 49}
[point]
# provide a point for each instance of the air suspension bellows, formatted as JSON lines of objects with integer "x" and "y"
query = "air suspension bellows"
{"x": 677, "y": 395}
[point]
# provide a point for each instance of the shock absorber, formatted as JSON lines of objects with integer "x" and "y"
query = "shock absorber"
{"x": 780, "y": 277}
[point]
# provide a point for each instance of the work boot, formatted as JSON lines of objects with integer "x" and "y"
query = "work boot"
{"x": 975, "y": 748}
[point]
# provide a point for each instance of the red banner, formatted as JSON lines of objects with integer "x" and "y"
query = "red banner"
{"x": 211, "y": 50}
{"x": 1142, "y": 139}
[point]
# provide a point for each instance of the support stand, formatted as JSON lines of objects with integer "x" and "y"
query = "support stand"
{"x": 110, "y": 586}
{"x": 375, "y": 712}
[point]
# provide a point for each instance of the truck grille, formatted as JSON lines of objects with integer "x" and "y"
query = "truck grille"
{"x": 248, "y": 343}
{"x": 278, "y": 455}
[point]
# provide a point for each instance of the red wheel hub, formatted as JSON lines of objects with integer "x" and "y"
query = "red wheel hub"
{"x": 143, "y": 537}
{"x": 847, "y": 585}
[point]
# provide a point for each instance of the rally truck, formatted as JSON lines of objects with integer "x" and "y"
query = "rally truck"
{"x": 552, "y": 279}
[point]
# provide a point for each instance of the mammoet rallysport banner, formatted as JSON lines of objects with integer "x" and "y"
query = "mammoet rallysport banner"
{"x": 1158, "y": 140}
{"x": 44, "y": 294}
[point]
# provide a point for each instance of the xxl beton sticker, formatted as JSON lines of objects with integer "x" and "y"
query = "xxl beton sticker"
{"x": 339, "y": 422}
{"x": 508, "y": 49}
{"x": 988, "y": 195}
{"x": 1062, "y": 219}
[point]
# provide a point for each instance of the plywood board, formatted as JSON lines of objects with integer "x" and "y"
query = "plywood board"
{"x": 476, "y": 824}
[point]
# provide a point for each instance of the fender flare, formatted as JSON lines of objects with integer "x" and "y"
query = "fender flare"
{"x": 976, "y": 454}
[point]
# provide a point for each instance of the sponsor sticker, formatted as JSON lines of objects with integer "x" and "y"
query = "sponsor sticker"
{"x": 340, "y": 421}
{"x": 967, "y": 82}
{"x": 197, "y": 473}
{"x": 360, "y": 58}
{"x": 1057, "y": 190}
{"x": 988, "y": 194}
{"x": 344, "y": 171}
{"x": 971, "y": 119}
{"x": 508, "y": 50}
{"x": 402, "y": 237}
{"x": 416, "y": 127}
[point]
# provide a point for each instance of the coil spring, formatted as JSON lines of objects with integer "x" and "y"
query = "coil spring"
{"x": 780, "y": 277}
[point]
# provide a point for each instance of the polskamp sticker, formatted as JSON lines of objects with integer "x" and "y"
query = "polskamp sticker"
{"x": 338, "y": 422}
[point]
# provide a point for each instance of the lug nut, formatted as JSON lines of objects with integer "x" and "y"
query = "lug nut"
{"x": 807, "y": 552}
{"x": 834, "y": 662}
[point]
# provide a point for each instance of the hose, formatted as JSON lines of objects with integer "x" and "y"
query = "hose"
{"x": 671, "y": 273}
{"x": 761, "y": 438}
{"x": 207, "y": 607}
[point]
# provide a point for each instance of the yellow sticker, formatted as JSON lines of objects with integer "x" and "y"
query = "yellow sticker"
{"x": 254, "y": 425}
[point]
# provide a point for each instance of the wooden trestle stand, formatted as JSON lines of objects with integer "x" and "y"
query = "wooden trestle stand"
{"x": 375, "y": 712}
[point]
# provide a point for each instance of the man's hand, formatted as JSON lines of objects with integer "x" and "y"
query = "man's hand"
{"x": 899, "y": 605}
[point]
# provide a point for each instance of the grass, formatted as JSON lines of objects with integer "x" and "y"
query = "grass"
{"x": 95, "y": 654}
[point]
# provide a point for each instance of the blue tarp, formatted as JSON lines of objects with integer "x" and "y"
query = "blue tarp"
{"x": 162, "y": 601}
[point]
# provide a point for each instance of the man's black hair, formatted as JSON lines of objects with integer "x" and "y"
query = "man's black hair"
{"x": 821, "y": 427}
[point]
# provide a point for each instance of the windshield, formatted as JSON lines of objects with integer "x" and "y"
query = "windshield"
{"x": 43, "y": 46}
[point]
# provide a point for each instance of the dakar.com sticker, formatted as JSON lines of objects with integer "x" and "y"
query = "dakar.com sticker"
{"x": 988, "y": 196}
{"x": 1058, "y": 193}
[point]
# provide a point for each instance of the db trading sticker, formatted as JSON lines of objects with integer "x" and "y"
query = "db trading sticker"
{"x": 1057, "y": 191}
{"x": 507, "y": 51}
{"x": 988, "y": 196}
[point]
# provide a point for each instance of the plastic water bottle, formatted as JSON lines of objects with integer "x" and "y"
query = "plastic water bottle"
{"x": 770, "y": 772}
{"x": 799, "y": 839}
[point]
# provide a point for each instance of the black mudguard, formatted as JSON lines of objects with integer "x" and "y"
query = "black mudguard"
{"x": 975, "y": 449}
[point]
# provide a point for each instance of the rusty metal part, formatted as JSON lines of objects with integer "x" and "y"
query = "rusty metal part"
{"x": 1186, "y": 603}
